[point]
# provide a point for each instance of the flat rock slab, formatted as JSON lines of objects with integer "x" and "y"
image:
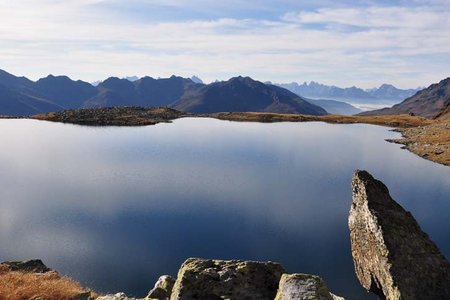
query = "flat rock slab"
{"x": 393, "y": 257}
{"x": 233, "y": 279}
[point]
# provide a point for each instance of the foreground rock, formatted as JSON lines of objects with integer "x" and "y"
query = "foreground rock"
{"x": 118, "y": 296}
{"x": 162, "y": 289}
{"x": 393, "y": 257}
{"x": 114, "y": 116}
{"x": 221, "y": 279}
{"x": 303, "y": 287}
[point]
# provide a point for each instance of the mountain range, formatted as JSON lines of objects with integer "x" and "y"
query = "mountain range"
{"x": 314, "y": 90}
{"x": 431, "y": 102}
{"x": 21, "y": 96}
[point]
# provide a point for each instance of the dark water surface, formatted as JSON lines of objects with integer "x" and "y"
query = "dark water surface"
{"x": 116, "y": 207}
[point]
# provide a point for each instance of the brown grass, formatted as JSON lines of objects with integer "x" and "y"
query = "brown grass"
{"x": 391, "y": 121}
{"x": 15, "y": 285}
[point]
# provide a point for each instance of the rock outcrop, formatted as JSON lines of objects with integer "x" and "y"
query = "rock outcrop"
{"x": 393, "y": 257}
{"x": 31, "y": 266}
{"x": 162, "y": 289}
{"x": 221, "y": 279}
{"x": 303, "y": 287}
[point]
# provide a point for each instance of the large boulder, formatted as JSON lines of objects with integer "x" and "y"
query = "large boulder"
{"x": 220, "y": 279}
{"x": 162, "y": 289}
{"x": 303, "y": 287}
{"x": 393, "y": 257}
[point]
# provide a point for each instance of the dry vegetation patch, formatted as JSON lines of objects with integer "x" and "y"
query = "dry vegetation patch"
{"x": 18, "y": 285}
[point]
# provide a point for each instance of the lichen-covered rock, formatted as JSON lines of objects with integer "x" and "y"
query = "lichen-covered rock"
{"x": 220, "y": 279}
{"x": 162, "y": 289}
{"x": 118, "y": 296}
{"x": 393, "y": 257}
{"x": 303, "y": 287}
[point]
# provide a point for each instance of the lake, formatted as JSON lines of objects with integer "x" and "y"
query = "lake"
{"x": 116, "y": 207}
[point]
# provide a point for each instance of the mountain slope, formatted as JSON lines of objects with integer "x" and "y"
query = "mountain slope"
{"x": 243, "y": 94}
{"x": 64, "y": 91}
{"x": 428, "y": 103}
{"x": 15, "y": 103}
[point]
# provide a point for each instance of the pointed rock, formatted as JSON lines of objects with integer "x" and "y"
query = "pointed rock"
{"x": 393, "y": 257}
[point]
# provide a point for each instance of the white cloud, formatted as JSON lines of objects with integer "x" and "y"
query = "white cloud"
{"x": 376, "y": 17}
{"x": 407, "y": 46}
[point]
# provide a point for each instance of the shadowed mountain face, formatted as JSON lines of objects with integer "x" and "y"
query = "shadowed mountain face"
{"x": 14, "y": 102}
{"x": 244, "y": 94}
{"x": 430, "y": 102}
{"x": 63, "y": 91}
{"x": 20, "y": 96}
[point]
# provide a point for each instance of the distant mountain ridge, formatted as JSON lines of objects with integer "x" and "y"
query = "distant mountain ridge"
{"x": 21, "y": 96}
{"x": 318, "y": 90}
{"x": 431, "y": 102}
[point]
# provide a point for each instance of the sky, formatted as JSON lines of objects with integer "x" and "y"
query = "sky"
{"x": 344, "y": 43}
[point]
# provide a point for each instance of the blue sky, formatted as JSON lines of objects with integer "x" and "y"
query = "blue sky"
{"x": 345, "y": 43}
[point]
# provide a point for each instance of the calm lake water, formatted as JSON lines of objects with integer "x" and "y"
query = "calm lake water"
{"x": 116, "y": 207}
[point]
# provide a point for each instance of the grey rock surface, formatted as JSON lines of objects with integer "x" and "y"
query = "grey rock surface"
{"x": 393, "y": 257}
{"x": 118, "y": 296}
{"x": 162, "y": 289}
{"x": 303, "y": 287}
{"x": 220, "y": 279}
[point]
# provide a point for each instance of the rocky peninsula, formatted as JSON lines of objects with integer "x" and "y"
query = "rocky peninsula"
{"x": 114, "y": 116}
{"x": 393, "y": 258}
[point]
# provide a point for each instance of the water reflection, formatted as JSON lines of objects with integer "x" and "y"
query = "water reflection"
{"x": 117, "y": 207}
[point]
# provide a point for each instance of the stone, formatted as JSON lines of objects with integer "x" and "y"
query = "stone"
{"x": 393, "y": 257}
{"x": 162, "y": 289}
{"x": 303, "y": 287}
{"x": 221, "y": 279}
{"x": 83, "y": 296}
{"x": 30, "y": 266}
{"x": 118, "y": 296}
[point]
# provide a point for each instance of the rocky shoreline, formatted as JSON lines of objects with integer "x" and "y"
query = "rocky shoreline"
{"x": 431, "y": 141}
{"x": 393, "y": 258}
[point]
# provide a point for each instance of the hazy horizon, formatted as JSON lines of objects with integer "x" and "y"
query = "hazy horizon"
{"x": 350, "y": 43}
